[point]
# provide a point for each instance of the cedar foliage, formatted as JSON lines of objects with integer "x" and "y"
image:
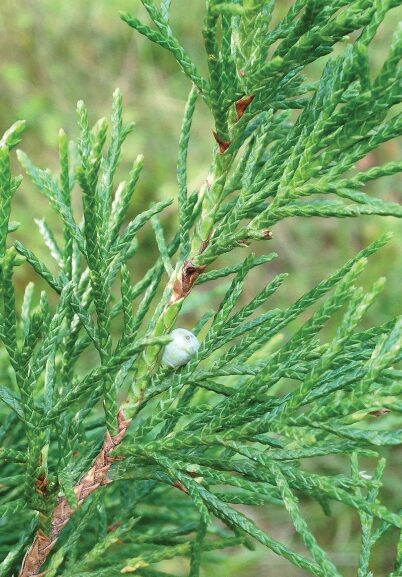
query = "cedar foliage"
{"x": 115, "y": 467}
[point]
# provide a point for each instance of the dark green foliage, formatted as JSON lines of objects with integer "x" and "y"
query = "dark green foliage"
{"x": 236, "y": 424}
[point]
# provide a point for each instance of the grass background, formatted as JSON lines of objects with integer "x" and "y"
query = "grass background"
{"x": 53, "y": 53}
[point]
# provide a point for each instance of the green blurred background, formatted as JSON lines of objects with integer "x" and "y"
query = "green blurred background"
{"x": 53, "y": 53}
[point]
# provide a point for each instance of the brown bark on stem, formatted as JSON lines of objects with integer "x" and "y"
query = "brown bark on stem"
{"x": 222, "y": 144}
{"x": 242, "y": 104}
{"x": 185, "y": 281}
{"x": 95, "y": 477}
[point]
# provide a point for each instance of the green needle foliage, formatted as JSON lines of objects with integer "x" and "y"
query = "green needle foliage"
{"x": 113, "y": 463}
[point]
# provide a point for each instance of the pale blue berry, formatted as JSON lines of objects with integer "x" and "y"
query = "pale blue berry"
{"x": 183, "y": 346}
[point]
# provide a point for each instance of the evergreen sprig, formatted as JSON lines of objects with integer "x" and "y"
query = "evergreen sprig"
{"x": 90, "y": 492}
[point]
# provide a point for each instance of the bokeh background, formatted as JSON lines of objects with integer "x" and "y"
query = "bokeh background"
{"x": 53, "y": 53}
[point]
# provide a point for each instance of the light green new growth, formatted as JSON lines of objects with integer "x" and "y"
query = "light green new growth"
{"x": 234, "y": 425}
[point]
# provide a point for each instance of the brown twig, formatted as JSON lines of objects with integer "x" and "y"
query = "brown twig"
{"x": 94, "y": 478}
